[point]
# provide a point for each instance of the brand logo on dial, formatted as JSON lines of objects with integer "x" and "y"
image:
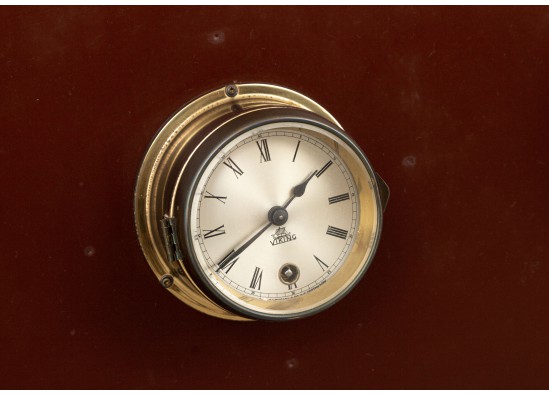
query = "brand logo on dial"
{"x": 281, "y": 236}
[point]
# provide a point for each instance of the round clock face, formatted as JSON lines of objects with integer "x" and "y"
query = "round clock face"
{"x": 274, "y": 216}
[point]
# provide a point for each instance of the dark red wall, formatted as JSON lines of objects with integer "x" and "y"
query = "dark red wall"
{"x": 450, "y": 105}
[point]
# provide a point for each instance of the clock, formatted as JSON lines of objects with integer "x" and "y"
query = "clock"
{"x": 252, "y": 202}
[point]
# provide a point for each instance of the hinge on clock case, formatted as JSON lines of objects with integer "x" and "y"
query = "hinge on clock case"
{"x": 169, "y": 231}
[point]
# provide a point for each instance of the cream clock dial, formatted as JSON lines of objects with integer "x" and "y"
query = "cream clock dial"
{"x": 265, "y": 208}
{"x": 293, "y": 253}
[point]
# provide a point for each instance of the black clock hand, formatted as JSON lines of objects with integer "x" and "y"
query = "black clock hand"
{"x": 299, "y": 189}
{"x": 234, "y": 253}
{"x": 277, "y": 216}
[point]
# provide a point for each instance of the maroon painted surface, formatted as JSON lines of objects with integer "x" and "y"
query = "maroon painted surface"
{"x": 450, "y": 105}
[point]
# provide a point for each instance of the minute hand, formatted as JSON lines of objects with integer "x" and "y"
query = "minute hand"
{"x": 239, "y": 250}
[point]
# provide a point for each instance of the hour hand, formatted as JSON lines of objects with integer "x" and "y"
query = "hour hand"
{"x": 299, "y": 189}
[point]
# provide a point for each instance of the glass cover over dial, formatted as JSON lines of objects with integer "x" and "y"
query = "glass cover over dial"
{"x": 311, "y": 236}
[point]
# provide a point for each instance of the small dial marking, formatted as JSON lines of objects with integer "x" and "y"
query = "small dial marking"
{"x": 209, "y": 195}
{"x": 265, "y": 155}
{"x": 220, "y": 230}
{"x": 256, "y": 279}
{"x": 322, "y": 265}
{"x": 338, "y": 198}
{"x": 337, "y": 232}
{"x": 234, "y": 167}
{"x": 324, "y": 168}
{"x": 296, "y": 148}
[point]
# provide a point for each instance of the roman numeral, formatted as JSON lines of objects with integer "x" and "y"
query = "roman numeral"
{"x": 214, "y": 232}
{"x": 256, "y": 279}
{"x": 226, "y": 264}
{"x": 322, "y": 265}
{"x": 333, "y": 231}
{"x": 296, "y": 148}
{"x": 220, "y": 198}
{"x": 338, "y": 198}
{"x": 292, "y": 286}
{"x": 324, "y": 168}
{"x": 234, "y": 167}
{"x": 263, "y": 150}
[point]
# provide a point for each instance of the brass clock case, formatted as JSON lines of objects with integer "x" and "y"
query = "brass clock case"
{"x": 166, "y": 177}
